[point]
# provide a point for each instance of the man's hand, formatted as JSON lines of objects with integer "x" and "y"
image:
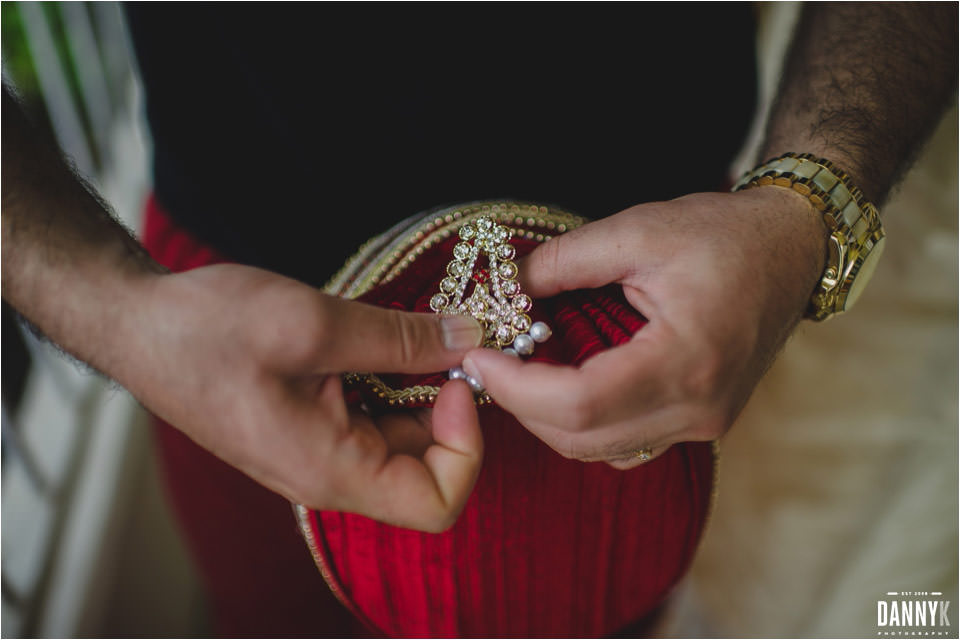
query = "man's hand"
{"x": 248, "y": 364}
{"x": 722, "y": 279}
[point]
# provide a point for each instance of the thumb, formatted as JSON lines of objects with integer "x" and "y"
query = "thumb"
{"x": 429, "y": 495}
{"x": 591, "y": 256}
{"x": 364, "y": 337}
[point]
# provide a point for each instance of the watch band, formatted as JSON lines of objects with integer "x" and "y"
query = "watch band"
{"x": 856, "y": 233}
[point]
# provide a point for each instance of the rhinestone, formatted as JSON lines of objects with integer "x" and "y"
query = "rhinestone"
{"x": 461, "y": 251}
{"x": 523, "y": 344}
{"x": 484, "y": 223}
{"x": 467, "y": 232}
{"x": 499, "y": 235}
{"x": 506, "y": 251}
{"x": 508, "y": 270}
{"x": 448, "y": 285}
{"x": 455, "y": 268}
{"x": 511, "y": 287}
{"x": 540, "y": 331}
{"x": 438, "y": 302}
{"x": 522, "y": 302}
{"x": 505, "y": 334}
{"x": 521, "y": 323}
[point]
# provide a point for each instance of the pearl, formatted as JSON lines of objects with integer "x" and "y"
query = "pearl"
{"x": 540, "y": 331}
{"x": 474, "y": 384}
{"x": 511, "y": 352}
{"x": 523, "y": 344}
{"x": 457, "y": 373}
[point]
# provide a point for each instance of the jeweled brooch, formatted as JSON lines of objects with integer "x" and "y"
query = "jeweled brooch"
{"x": 481, "y": 281}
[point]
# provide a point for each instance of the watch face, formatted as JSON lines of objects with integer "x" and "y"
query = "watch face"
{"x": 862, "y": 272}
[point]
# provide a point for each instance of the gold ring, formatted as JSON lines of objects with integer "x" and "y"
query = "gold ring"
{"x": 643, "y": 454}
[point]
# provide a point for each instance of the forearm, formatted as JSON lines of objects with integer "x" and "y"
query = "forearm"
{"x": 864, "y": 84}
{"x": 68, "y": 266}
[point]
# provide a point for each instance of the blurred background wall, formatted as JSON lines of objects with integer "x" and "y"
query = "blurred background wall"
{"x": 838, "y": 484}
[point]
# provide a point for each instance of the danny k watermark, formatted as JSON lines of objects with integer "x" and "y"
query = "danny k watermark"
{"x": 914, "y": 614}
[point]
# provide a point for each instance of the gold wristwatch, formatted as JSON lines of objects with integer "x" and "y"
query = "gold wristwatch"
{"x": 856, "y": 233}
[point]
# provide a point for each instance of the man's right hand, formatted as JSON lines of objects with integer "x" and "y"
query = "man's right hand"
{"x": 244, "y": 361}
{"x": 248, "y": 363}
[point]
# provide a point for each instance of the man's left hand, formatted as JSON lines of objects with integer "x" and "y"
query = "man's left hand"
{"x": 723, "y": 278}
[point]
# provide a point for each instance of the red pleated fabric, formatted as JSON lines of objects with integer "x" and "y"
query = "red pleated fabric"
{"x": 259, "y": 577}
{"x": 545, "y": 547}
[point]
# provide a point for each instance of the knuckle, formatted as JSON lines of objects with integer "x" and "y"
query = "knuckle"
{"x": 442, "y": 519}
{"x": 582, "y": 412}
{"x": 569, "y": 447}
{"x": 318, "y": 338}
{"x": 410, "y": 338}
{"x": 441, "y": 523}
{"x": 569, "y": 454}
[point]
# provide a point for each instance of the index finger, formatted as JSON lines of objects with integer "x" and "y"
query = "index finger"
{"x": 606, "y": 388}
{"x": 589, "y": 257}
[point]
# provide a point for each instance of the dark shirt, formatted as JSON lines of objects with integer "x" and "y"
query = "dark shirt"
{"x": 287, "y": 134}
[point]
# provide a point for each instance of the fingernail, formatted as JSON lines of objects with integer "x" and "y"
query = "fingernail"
{"x": 472, "y": 371}
{"x": 461, "y": 332}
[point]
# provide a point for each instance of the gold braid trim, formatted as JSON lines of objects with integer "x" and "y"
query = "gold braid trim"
{"x": 417, "y": 394}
